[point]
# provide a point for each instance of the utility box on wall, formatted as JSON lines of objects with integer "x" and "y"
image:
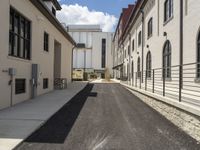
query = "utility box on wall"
{"x": 12, "y": 71}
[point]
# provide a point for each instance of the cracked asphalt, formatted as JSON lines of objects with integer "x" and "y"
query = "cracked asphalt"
{"x": 108, "y": 117}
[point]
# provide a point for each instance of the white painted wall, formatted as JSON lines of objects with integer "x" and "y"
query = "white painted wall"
{"x": 38, "y": 56}
{"x": 93, "y": 42}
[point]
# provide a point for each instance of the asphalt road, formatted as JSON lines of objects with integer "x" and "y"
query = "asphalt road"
{"x": 108, "y": 117}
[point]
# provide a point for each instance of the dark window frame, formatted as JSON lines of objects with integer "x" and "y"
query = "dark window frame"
{"x": 139, "y": 38}
{"x": 138, "y": 68}
{"x": 53, "y": 10}
{"x": 132, "y": 69}
{"x": 20, "y": 86}
{"x": 150, "y": 28}
{"x": 148, "y": 64}
{"x": 167, "y": 51}
{"x": 19, "y": 35}
{"x": 168, "y": 10}
{"x": 129, "y": 50}
{"x": 103, "y": 52}
{"x": 46, "y": 42}
{"x": 45, "y": 83}
{"x": 133, "y": 45}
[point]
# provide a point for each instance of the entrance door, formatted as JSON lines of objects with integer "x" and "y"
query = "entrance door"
{"x": 57, "y": 65}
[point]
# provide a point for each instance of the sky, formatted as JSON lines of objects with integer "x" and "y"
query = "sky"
{"x": 103, "y": 12}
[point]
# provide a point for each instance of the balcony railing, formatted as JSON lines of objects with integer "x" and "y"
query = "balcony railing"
{"x": 181, "y": 83}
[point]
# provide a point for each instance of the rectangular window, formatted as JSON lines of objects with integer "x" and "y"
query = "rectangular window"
{"x": 133, "y": 45}
{"x": 20, "y": 86}
{"x": 53, "y": 11}
{"x": 19, "y": 35}
{"x": 45, "y": 83}
{"x": 46, "y": 42}
{"x": 150, "y": 28}
{"x": 168, "y": 10}
{"x": 139, "y": 38}
{"x": 103, "y": 65}
{"x": 128, "y": 50}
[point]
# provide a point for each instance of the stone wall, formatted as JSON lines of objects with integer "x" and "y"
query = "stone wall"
{"x": 184, "y": 120}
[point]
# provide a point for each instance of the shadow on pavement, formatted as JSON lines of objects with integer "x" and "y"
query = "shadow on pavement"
{"x": 57, "y": 128}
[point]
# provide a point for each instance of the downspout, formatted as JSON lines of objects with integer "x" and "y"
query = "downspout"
{"x": 129, "y": 68}
{"x": 123, "y": 71}
{"x": 72, "y": 61}
{"x": 142, "y": 12}
{"x": 181, "y": 50}
{"x": 181, "y": 35}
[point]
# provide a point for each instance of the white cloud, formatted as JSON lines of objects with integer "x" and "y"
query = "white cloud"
{"x": 76, "y": 14}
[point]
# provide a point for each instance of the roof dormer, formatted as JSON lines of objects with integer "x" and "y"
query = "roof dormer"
{"x": 53, "y": 5}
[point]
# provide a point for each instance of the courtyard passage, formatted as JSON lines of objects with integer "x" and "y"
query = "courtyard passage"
{"x": 106, "y": 116}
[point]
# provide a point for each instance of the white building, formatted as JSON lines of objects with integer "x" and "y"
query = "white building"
{"x": 158, "y": 49}
{"x": 93, "y": 51}
{"x": 35, "y": 52}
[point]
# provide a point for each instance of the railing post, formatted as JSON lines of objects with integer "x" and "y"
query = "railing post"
{"x": 164, "y": 83}
{"x": 146, "y": 80}
{"x": 180, "y": 82}
{"x": 153, "y": 80}
{"x": 140, "y": 79}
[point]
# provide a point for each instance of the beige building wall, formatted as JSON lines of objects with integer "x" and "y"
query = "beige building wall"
{"x": 45, "y": 60}
{"x": 155, "y": 9}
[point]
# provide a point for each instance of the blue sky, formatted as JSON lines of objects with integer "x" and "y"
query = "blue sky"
{"x": 99, "y": 12}
{"x": 113, "y": 7}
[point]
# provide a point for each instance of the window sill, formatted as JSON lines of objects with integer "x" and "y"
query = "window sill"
{"x": 197, "y": 80}
{"x": 45, "y": 52}
{"x": 19, "y": 59}
{"x": 20, "y": 93}
{"x": 167, "y": 21}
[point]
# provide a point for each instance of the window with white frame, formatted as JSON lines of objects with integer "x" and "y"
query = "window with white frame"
{"x": 150, "y": 27}
{"x": 148, "y": 65}
{"x": 168, "y": 10}
{"x": 139, "y": 38}
{"x": 167, "y": 60}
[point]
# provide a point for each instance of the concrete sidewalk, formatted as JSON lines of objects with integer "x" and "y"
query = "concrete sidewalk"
{"x": 19, "y": 121}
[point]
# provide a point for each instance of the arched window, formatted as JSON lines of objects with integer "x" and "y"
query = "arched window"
{"x": 150, "y": 27}
{"x": 168, "y": 10}
{"x": 198, "y": 56}
{"x": 138, "y": 68}
{"x": 148, "y": 65}
{"x": 167, "y": 60}
{"x": 139, "y": 38}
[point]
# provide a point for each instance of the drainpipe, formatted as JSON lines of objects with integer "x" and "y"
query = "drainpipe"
{"x": 181, "y": 50}
{"x": 181, "y": 34}
{"x": 72, "y": 61}
{"x": 123, "y": 62}
{"x": 129, "y": 78}
{"x": 142, "y": 12}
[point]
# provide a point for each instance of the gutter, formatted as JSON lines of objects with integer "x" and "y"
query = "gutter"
{"x": 45, "y": 11}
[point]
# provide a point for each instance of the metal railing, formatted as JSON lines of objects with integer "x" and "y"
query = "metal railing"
{"x": 181, "y": 83}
